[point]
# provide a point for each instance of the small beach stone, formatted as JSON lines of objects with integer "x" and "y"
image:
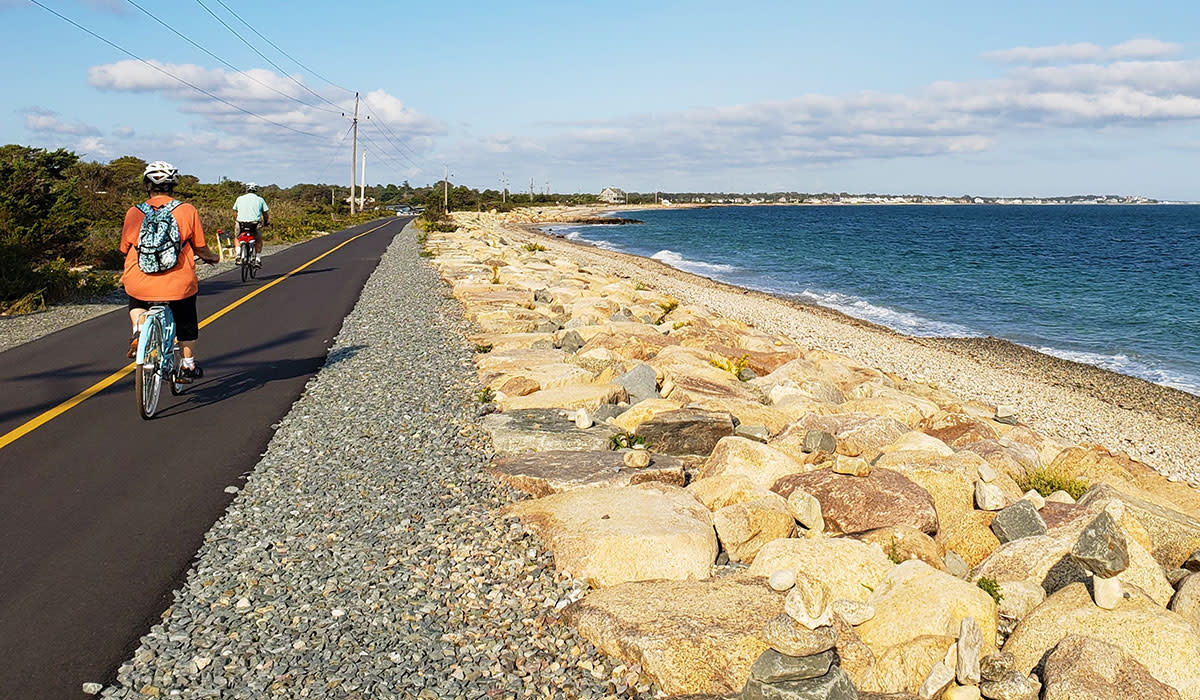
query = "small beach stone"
{"x": 988, "y": 496}
{"x": 1060, "y": 496}
{"x": 786, "y": 636}
{"x": 987, "y": 473}
{"x": 808, "y": 602}
{"x": 745, "y": 374}
{"x": 1035, "y": 498}
{"x": 853, "y": 611}
{"x": 782, "y": 580}
{"x": 995, "y": 666}
{"x": 773, "y": 667}
{"x": 961, "y": 692}
{"x": 636, "y": 459}
{"x": 92, "y": 688}
{"x": 758, "y": 433}
{"x": 1107, "y": 592}
{"x": 851, "y": 466}
{"x": 939, "y": 678}
{"x": 956, "y": 565}
{"x": 571, "y": 341}
{"x": 583, "y": 419}
{"x": 1014, "y": 685}
{"x": 970, "y": 646}
{"x": 806, "y": 509}
{"x": 819, "y": 441}
{"x": 1174, "y": 576}
{"x": 1006, "y": 414}
{"x": 1019, "y": 520}
{"x": 1101, "y": 548}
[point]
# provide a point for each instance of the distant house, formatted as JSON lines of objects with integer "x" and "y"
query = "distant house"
{"x": 612, "y": 195}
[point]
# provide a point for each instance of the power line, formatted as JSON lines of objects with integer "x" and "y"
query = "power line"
{"x": 399, "y": 146}
{"x": 197, "y": 88}
{"x": 285, "y": 53}
{"x": 227, "y": 63}
{"x": 322, "y": 171}
{"x": 264, "y": 57}
{"x": 384, "y": 153}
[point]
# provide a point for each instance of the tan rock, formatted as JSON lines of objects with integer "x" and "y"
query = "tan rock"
{"x": 744, "y": 528}
{"x": 656, "y": 623}
{"x": 915, "y": 440}
{"x": 915, "y": 599}
{"x": 849, "y": 568}
{"x": 902, "y": 668}
{"x": 716, "y": 492}
{"x": 852, "y": 504}
{"x": 747, "y": 412}
{"x": 1175, "y": 533}
{"x": 1081, "y": 668}
{"x": 851, "y": 466}
{"x": 637, "y": 459}
{"x": 1160, "y": 640}
{"x": 948, "y": 479}
{"x": 971, "y": 536}
{"x": 589, "y": 396}
{"x": 806, "y": 509}
{"x": 608, "y": 536}
{"x": 644, "y": 411}
{"x": 1186, "y": 601}
{"x": 760, "y": 463}
{"x": 903, "y": 542}
{"x": 555, "y": 471}
{"x": 686, "y": 431}
{"x": 787, "y": 636}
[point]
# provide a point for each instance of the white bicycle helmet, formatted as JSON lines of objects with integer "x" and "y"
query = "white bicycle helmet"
{"x": 161, "y": 172}
{"x": 251, "y": 187}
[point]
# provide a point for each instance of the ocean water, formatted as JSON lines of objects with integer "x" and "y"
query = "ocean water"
{"x": 1113, "y": 286}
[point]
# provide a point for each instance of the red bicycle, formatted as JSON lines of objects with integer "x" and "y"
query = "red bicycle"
{"x": 245, "y": 239}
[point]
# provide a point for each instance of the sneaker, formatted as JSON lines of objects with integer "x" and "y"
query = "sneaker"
{"x": 187, "y": 374}
{"x": 257, "y": 261}
{"x": 133, "y": 343}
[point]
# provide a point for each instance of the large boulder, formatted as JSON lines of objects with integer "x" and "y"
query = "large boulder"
{"x": 589, "y": 396}
{"x": 903, "y": 667}
{"x": 1160, "y": 640}
{"x": 949, "y": 479}
{"x": 608, "y": 536}
{"x": 915, "y": 599}
{"x": 1175, "y": 534}
{"x": 958, "y": 429}
{"x": 853, "y": 504}
{"x": 693, "y": 638}
{"x": 1186, "y": 601}
{"x": 849, "y": 569}
{"x": 554, "y": 471}
{"x": 858, "y": 434}
{"x": 536, "y": 430}
{"x": 762, "y": 464}
{"x": 904, "y": 542}
{"x": 970, "y": 536}
{"x": 643, "y": 411}
{"x": 1081, "y": 668}
{"x": 685, "y": 431}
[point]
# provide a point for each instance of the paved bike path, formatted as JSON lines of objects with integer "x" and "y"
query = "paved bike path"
{"x": 100, "y": 511}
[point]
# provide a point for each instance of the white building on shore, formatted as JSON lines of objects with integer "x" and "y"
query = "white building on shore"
{"x": 612, "y": 195}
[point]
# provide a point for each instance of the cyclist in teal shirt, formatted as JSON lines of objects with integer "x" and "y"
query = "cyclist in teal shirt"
{"x": 251, "y": 211}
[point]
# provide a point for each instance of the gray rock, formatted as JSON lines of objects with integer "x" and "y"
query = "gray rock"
{"x": 609, "y": 411}
{"x": 1192, "y": 563}
{"x": 819, "y": 441}
{"x": 543, "y": 296}
{"x": 640, "y": 383}
{"x": 540, "y": 429}
{"x": 1101, "y": 548}
{"x": 834, "y": 685}
{"x": 92, "y": 688}
{"x": 1014, "y": 685}
{"x": 786, "y": 636}
{"x": 571, "y": 341}
{"x": 758, "y": 433}
{"x": 940, "y": 676}
{"x": 686, "y": 431}
{"x": 996, "y": 666}
{"x": 745, "y": 374}
{"x": 1021, "y": 519}
{"x": 622, "y": 316}
{"x": 773, "y": 667}
{"x": 956, "y": 565}
{"x": 546, "y": 327}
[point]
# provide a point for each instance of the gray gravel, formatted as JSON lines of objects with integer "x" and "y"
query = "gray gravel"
{"x": 18, "y": 330}
{"x": 363, "y": 557}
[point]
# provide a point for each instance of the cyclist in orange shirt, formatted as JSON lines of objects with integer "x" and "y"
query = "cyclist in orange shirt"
{"x": 176, "y": 286}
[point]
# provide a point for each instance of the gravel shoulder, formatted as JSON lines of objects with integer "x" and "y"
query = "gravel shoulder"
{"x": 18, "y": 330}
{"x": 1078, "y": 404}
{"x": 363, "y": 557}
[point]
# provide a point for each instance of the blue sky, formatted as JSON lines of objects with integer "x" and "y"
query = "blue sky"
{"x": 1016, "y": 98}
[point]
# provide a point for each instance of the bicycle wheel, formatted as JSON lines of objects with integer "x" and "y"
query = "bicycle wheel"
{"x": 247, "y": 262}
{"x": 148, "y": 376}
{"x": 176, "y": 386}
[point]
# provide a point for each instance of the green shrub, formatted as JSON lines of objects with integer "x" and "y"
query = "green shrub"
{"x": 485, "y": 395}
{"x": 625, "y": 440}
{"x": 1046, "y": 481}
{"x": 534, "y": 247}
{"x": 991, "y": 587}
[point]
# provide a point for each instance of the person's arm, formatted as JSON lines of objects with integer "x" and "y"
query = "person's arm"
{"x": 266, "y": 218}
{"x": 207, "y": 255}
{"x": 199, "y": 245}
{"x": 130, "y": 229}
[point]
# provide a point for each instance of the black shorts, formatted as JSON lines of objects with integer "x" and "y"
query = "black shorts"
{"x": 187, "y": 323}
{"x": 251, "y": 226}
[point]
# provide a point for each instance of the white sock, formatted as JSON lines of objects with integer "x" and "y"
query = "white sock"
{"x": 189, "y": 362}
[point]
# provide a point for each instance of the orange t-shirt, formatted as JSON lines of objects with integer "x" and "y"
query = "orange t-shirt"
{"x": 180, "y": 281}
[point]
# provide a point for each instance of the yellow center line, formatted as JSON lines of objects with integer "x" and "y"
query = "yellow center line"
{"x": 113, "y": 378}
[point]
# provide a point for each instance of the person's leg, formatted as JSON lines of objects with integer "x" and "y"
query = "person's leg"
{"x": 258, "y": 243}
{"x": 187, "y": 330}
{"x": 137, "y": 312}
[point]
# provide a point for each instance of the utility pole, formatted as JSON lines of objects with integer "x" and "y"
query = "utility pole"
{"x": 531, "y": 190}
{"x": 362, "y": 188}
{"x": 504, "y": 186}
{"x": 446, "y": 190}
{"x": 354, "y": 154}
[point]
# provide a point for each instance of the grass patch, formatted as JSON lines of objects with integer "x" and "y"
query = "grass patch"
{"x": 639, "y": 285}
{"x": 991, "y": 587}
{"x": 485, "y": 395}
{"x": 1046, "y": 481}
{"x": 534, "y": 247}
{"x": 624, "y": 440}
{"x": 482, "y": 348}
{"x": 893, "y": 552}
{"x": 495, "y": 275}
{"x": 735, "y": 368}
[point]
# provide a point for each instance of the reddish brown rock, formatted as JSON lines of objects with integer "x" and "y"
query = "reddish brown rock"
{"x": 958, "y": 429}
{"x": 1081, "y": 668}
{"x": 853, "y": 504}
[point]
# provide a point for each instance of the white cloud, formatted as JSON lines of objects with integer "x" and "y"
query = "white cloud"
{"x": 1084, "y": 52}
{"x": 47, "y": 122}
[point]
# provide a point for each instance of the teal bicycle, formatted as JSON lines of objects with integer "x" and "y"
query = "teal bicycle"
{"x": 157, "y": 360}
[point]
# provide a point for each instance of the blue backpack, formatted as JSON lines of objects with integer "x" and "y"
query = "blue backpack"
{"x": 159, "y": 241}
